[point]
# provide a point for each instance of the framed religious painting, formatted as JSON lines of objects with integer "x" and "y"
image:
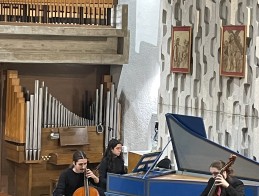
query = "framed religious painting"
{"x": 181, "y": 49}
{"x": 233, "y": 50}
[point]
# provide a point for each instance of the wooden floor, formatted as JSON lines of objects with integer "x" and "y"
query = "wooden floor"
{"x": 4, "y": 185}
{"x": 4, "y": 194}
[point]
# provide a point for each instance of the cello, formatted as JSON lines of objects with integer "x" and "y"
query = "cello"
{"x": 86, "y": 190}
{"x": 214, "y": 188}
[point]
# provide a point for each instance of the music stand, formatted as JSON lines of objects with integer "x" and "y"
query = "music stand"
{"x": 156, "y": 160}
{"x": 146, "y": 161}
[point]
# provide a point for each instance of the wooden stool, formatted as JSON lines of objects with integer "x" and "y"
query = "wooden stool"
{"x": 52, "y": 186}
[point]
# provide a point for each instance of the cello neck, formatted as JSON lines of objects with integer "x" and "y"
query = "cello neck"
{"x": 212, "y": 190}
{"x": 86, "y": 186}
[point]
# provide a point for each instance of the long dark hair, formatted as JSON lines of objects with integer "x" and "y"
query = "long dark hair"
{"x": 108, "y": 152}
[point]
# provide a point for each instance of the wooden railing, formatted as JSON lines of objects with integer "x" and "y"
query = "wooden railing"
{"x": 94, "y": 12}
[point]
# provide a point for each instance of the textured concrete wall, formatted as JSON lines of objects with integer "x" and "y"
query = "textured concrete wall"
{"x": 228, "y": 105}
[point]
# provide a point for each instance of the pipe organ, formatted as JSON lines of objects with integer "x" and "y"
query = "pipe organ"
{"x": 41, "y": 133}
{"x": 94, "y": 12}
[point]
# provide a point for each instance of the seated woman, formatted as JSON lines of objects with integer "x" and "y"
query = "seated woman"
{"x": 112, "y": 162}
{"x": 226, "y": 184}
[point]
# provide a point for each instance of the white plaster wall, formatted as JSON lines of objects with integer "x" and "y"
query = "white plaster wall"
{"x": 139, "y": 79}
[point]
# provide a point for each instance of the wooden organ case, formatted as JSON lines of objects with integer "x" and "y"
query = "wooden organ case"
{"x": 35, "y": 177}
{"x": 36, "y": 165}
{"x": 46, "y": 45}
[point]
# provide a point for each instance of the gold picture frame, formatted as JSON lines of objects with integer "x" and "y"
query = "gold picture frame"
{"x": 233, "y": 50}
{"x": 181, "y": 49}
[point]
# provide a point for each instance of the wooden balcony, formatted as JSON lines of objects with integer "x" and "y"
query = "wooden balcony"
{"x": 73, "y": 42}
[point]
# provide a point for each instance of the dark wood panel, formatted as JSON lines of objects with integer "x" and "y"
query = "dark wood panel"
{"x": 70, "y": 84}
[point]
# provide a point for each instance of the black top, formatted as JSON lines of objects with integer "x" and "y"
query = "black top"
{"x": 117, "y": 168}
{"x": 69, "y": 181}
{"x": 235, "y": 188}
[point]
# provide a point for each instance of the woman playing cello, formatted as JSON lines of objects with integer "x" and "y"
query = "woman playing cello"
{"x": 223, "y": 180}
{"x": 73, "y": 178}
